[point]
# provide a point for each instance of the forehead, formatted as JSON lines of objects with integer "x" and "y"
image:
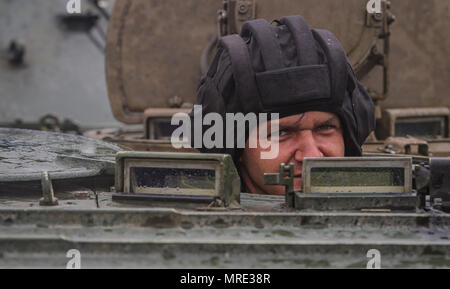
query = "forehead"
{"x": 310, "y": 117}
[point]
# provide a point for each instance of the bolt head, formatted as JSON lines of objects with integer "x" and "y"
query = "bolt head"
{"x": 243, "y": 9}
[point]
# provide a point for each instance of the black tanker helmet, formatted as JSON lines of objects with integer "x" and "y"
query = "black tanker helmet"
{"x": 289, "y": 69}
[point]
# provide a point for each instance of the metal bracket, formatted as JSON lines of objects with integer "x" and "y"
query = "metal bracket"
{"x": 402, "y": 145}
{"x": 380, "y": 21}
{"x": 284, "y": 178}
{"x": 48, "y": 195}
{"x": 79, "y": 22}
{"x": 374, "y": 20}
{"x": 234, "y": 14}
{"x": 422, "y": 149}
{"x": 440, "y": 183}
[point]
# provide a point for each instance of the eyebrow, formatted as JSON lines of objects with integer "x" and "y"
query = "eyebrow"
{"x": 294, "y": 125}
{"x": 330, "y": 121}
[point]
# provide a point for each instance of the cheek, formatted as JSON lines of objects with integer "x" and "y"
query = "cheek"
{"x": 257, "y": 167}
{"x": 287, "y": 150}
{"x": 255, "y": 163}
{"x": 332, "y": 146}
{"x": 297, "y": 184}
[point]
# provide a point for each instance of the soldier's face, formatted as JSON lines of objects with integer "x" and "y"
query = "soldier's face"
{"x": 311, "y": 134}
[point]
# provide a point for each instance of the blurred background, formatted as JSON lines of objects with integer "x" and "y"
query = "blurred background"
{"x": 52, "y": 64}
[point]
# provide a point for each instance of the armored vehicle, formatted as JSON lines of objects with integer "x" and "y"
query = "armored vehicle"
{"x": 128, "y": 199}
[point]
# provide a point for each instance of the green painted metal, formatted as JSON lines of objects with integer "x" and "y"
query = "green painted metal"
{"x": 263, "y": 232}
{"x": 25, "y": 154}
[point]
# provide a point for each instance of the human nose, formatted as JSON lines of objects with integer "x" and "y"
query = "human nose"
{"x": 307, "y": 147}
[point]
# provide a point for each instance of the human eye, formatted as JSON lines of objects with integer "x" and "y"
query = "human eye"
{"x": 280, "y": 134}
{"x": 326, "y": 128}
{"x": 283, "y": 132}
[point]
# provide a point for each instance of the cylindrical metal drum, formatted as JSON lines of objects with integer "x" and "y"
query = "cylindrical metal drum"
{"x": 154, "y": 47}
